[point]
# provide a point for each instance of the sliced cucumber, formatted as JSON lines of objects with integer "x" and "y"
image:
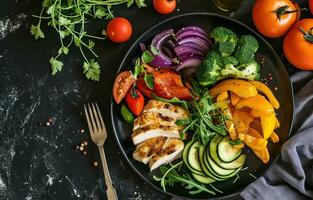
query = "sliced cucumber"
{"x": 205, "y": 169}
{"x": 212, "y": 151}
{"x": 193, "y": 158}
{"x": 226, "y": 152}
{"x": 185, "y": 159}
{"x": 203, "y": 179}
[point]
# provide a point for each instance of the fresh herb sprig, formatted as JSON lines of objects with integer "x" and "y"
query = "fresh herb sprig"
{"x": 68, "y": 18}
{"x": 171, "y": 176}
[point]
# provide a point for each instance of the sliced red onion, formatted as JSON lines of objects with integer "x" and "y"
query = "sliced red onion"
{"x": 192, "y": 28}
{"x": 183, "y": 51}
{"x": 199, "y": 41}
{"x": 159, "y": 41}
{"x": 195, "y": 47}
{"x": 142, "y": 47}
{"x": 192, "y": 32}
{"x": 189, "y": 63}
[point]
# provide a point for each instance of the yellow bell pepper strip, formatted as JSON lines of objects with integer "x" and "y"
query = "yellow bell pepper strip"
{"x": 277, "y": 123}
{"x": 240, "y": 87}
{"x": 239, "y": 146}
{"x": 231, "y": 130}
{"x": 263, "y": 89}
{"x": 263, "y": 155}
{"x": 253, "y": 141}
{"x": 242, "y": 121}
{"x": 274, "y": 138}
{"x": 222, "y": 100}
{"x": 258, "y": 104}
{"x": 234, "y": 98}
{"x": 268, "y": 124}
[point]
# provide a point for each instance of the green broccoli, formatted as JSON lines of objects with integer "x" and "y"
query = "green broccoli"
{"x": 225, "y": 39}
{"x": 250, "y": 71}
{"x": 208, "y": 72}
{"x": 246, "y": 49}
{"x": 230, "y": 60}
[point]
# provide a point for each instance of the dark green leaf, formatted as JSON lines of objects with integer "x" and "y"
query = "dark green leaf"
{"x": 182, "y": 122}
{"x": 127, "y": 115}
{"x": 56, "y": 65}
{"x": 149, "y": 80}
{"x": 36, "y": 32}
{"x": 147, "y": 57}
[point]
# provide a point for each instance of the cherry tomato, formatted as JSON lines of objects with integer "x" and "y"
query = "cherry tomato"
{"x": 311, "y": 6}
{"x": 273, "y": 18}
{"x": 164, "y": 6}
{"x": 135, "y": 101}
{"x": 119, "y": 30}
{"x": 168, "y": 84}
{"x": 122, "y": 84}
{"x": 298, "y": 44}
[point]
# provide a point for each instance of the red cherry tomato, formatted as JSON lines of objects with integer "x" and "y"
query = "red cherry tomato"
{"x": 135, "y": 101}
{"x": 164, "y": 6}
{"x": 122, "y": 84}
{"x": 119, "y": 30}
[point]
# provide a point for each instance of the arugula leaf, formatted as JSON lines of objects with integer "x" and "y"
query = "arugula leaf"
{"x": 235, "y": 142}
{"x": 36, "y": 31}
{"x": 149, "y": 80}
{"x": 147, "y": 57}
{"x": 170, "y": 176}
{"x": 92, "y": 70}
{"x": 56, "y": 65}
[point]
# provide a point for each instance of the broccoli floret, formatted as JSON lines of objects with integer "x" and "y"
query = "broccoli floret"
{"x": 250, "y": 71}
{"x": 246, "y": 49}
{"x": 208, "y": 72}
{"x": 225, "y": 39}
{"x": 230, "y": 60}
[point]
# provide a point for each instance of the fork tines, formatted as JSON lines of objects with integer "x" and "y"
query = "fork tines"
{"x": 94, "y": 118}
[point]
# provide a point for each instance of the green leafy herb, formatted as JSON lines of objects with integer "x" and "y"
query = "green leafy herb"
{"x": 171, "y": 176}
{"x": 92, "y": 70}
{"x": 149, "y": 80}
{"x": 127, "y": 115}
{"x": 69, "y": 18}
{"x": 138, "y": 69}
{"x": 56, "y": 65}
{"x": 154, "y": 50}
{"x": 173, "y": 100}
{"x": 235, "y": 142}
{"x": 147, "y": 57}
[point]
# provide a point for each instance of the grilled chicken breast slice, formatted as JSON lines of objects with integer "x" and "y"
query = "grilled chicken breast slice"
{"x": 166, "y": 109}
{"x": 155, "y": 130}
{"x": 171, "y": 150}
{"x": 145, "y": 150}
{"x": 149, "y": 118}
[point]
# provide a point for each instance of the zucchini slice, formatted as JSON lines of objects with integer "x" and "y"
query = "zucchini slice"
{"x": 212, "y": 151}
{"x": 193, "y": 156}
{"x": 205, "y": 169}
{"x": 185, "y": 159}
{"x": 203, "y": 179}
{"x": 226, "y": 152}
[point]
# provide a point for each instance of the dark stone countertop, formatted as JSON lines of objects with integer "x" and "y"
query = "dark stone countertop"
{"x": 38, "y": 161}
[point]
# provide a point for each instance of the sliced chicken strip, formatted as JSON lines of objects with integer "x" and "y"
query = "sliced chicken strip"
{"x": 155, "y": 130}
{"x": 166, "y": 109}
{"x": 144, "y": 151}
{"x": 171, "y": 150}
{"x": 149, "y": 118}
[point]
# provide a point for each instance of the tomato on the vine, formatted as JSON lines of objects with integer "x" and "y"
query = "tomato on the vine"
{"x": 119, "y": 30}
{"x": 164, "y": 6}
{"x": 273, "y": 18}
{"x": 298, "y": 44}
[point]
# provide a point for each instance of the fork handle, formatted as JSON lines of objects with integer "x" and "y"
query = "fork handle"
{"x": 111, "y": 193}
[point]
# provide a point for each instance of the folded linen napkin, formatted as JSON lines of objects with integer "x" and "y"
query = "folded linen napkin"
{"x": 291, "y": 178}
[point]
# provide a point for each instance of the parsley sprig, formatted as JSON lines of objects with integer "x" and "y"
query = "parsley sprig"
{"x": 68, "y": 18}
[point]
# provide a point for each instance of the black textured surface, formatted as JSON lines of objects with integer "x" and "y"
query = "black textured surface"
{"x": 38, "y": 162}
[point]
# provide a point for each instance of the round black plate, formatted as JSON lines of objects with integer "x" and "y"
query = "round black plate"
{"x": 272, "y": 65}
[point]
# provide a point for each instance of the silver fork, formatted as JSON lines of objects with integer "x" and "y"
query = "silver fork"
{"x": 98, "y": 136}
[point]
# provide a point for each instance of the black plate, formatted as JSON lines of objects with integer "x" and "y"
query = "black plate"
{"x": 272, "y": 65}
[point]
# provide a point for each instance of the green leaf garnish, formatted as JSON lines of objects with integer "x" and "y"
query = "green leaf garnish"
{"x": 92, "y": 70}
{"x": 149, "y": 81}
{"x": 36, "y": 31}
{"x": 56, "y": 65}
{"x": 147, "y": 57}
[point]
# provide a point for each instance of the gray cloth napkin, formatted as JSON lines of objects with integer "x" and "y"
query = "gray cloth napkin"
{"x": 291, "y": 178}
